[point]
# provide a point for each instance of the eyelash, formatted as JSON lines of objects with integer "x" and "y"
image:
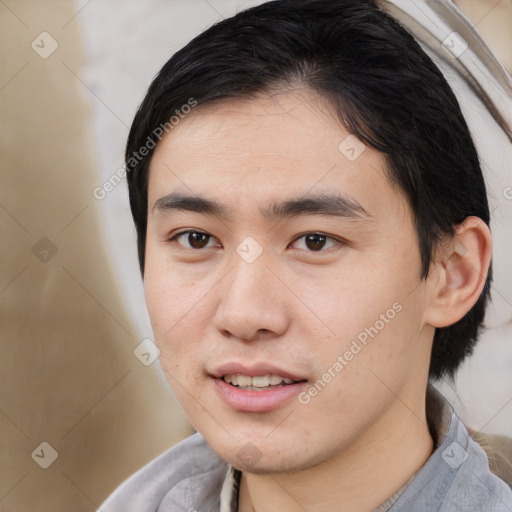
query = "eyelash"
{"x": 328, "y": 238}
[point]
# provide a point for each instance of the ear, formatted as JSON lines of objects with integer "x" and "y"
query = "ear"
{"x": 460, "y": 270}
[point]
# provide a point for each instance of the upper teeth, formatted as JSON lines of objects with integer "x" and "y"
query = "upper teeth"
{"x": 260, "y": 381}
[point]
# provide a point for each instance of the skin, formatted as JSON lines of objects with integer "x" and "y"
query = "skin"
{"x": 364, "y": 435}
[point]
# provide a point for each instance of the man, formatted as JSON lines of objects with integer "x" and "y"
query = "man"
{"x": 313, "y": 235}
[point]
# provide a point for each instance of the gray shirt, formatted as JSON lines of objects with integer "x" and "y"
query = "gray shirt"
{"x": 190, "y": 477}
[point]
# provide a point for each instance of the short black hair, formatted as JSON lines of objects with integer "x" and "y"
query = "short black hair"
{"x": 383, "y": 87}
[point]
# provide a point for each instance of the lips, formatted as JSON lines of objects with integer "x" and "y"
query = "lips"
{"x": 256, "y": 388}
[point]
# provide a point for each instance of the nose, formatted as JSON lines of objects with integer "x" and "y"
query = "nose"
{"x": 252, "y": 303}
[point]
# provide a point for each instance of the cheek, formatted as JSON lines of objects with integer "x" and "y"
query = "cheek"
{"x": 180, "y": 310}
{"x": 356, "y": 302}
{"x": 172, "y": 299}
{"x": 373, "y": 321}
{"x": 358, "y": 380}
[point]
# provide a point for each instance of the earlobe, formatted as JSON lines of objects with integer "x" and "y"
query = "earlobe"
{"x": 462, "y": 266}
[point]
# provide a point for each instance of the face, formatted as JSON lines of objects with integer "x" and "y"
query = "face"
{"x": 283, "y": 284}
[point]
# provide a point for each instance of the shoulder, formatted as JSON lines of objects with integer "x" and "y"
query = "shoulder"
{"x": 499, "y": 452}
{"x": 475, "y": 487}
{"x": 185, "y": 477}
{"x": 477, "y": 480}
{"x": 456, "y": 477}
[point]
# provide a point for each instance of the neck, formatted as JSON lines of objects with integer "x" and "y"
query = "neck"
{"x": 358, "y": 478}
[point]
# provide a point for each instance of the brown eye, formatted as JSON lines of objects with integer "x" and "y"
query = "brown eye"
{"x": 195, "y": 240}
{"x": 198, "y": 240}
{"x": 315, "y": 242}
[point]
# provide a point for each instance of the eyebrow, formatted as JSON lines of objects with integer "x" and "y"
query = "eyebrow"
{"x": 321, "y": 204}
{"x": 182, "y": 202}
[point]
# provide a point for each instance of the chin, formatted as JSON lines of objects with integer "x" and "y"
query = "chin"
{"x": 286, "y": 465}
{"x": 258, "y": 455}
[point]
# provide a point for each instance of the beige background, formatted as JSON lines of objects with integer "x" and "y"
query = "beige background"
{"x": 69, "y": 377}
{"x": 71, "y": 308}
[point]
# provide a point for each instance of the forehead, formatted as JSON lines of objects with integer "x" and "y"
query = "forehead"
{"x": 269, "y": 148}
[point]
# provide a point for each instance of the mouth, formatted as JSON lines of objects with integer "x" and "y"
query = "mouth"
{"x": 257, "y": 387}
{"x": 258, "y": 382}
